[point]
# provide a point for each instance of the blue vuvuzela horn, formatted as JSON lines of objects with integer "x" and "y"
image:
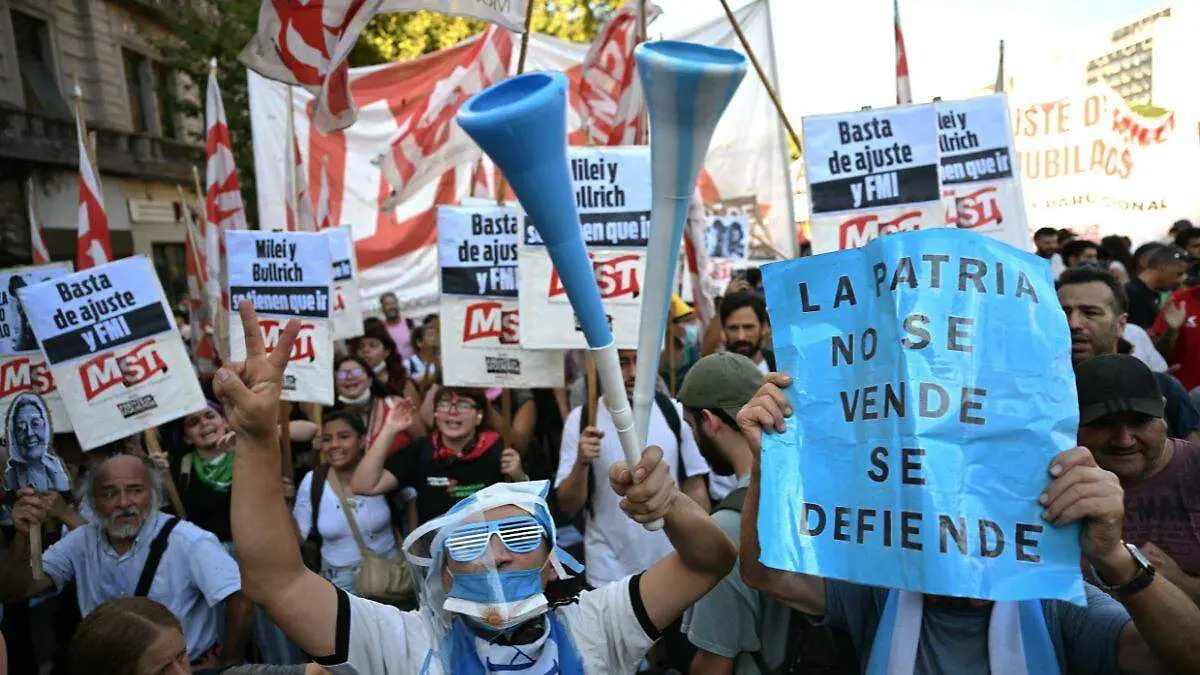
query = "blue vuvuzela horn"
{"x": 521, "y": 123}
{"x": 687, "y": 88}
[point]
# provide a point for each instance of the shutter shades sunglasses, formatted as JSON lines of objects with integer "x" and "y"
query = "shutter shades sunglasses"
{"x": 520, "y": 534}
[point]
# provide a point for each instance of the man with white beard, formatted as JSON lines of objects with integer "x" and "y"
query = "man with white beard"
{"x": 132, "y": 548}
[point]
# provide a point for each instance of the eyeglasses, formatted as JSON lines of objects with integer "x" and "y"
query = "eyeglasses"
{"x": 460, "y": 406}
{"x": 519, "y": 534}
{"x": 347, "y": 374}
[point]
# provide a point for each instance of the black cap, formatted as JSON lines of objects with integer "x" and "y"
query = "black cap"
{"x": 1116, "y": 383}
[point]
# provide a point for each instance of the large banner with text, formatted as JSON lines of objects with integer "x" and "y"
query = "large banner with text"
{"x": 114, "y": 350}
{"x": 22, "y": 365}
{"x": 286, "y": 275}
{"x": 477, "y": 251}
{"x": 612, "y": 190}
{"x": 933, "y": 386}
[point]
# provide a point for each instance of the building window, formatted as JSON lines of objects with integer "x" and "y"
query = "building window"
{"x": 134, "y": 64}
{"x": 170, "y": 261}
{"x": 165, "y": 97}
{"x": 36, "y": 64}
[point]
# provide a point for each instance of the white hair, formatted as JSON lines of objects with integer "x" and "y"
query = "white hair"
{"x": 157, "y": 485}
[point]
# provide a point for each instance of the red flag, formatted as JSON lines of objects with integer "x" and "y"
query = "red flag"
{"x": 903, "y": 92}
{"x": 37, "y": 243}
{"x": 610, "y": 101}
{"x": 94, "y": 245}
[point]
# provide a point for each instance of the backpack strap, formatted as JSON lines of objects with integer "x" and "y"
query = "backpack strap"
{"x": 667, "y": 407}
{"x": 157, "y": 548}
{"x": 733, "y": 501}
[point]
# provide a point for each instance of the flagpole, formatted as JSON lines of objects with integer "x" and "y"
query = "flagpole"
{"x": 501, "y": 183}
{"x": 762, "y": 75}
{"x": 999, "y": 88}
{"x": 290, "y": 164}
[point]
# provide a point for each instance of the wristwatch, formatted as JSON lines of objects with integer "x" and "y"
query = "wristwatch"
{"x": 1143, "y": 578}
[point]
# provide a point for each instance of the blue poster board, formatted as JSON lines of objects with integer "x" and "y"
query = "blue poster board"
{"x": 932, "y": 386}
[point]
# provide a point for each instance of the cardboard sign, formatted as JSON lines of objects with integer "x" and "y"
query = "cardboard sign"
{"x": 114, "y": 350}
{"x": 979, "y": 169}
{"x": 27, "y": 435}
{"x": 612, "y": 190}
{"x": 727, "y": 237}
{"x": 477, "y": 251}
{"x": 871, "y": 173}
{"x": 933, "y": 385}
{"x": 22, "y": 366}
{"x": 347, "y": 304}
{"x": 285, "y": 275}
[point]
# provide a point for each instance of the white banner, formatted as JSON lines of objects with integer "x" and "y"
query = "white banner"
{"x": 477, "y": 250}
{"x": 612, "y": 190}
{"x": 871, "y": 173}
{"x": 347, "y": 304}
{"x": 727, "y": 237}
{"x": 114, "y": 350}
{"x": 979, "y": 169}
{"x": 1090, "y": 163}
{"x": 285, "y": 275}
{"x": 22, "y": 366}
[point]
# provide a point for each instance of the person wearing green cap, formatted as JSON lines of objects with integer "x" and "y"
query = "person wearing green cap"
{"x": 736, "y": 629}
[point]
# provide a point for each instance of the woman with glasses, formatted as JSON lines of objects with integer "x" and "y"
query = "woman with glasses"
{"x": 461, "y": 457}
{"x": 359, "y": 393}
{"x": 343, "y": 439}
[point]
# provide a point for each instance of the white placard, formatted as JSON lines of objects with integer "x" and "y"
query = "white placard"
{"x": 477, "y": 251}
{"x": 22, "y": 366}
{"x": 285, "y": 275}
{"x": 114, "y": 350}
{"x": 979, "y": 169}
{"x": 866, "y": 169}
{"x": 347, "y": 303}
{"x": 612, "y": 191}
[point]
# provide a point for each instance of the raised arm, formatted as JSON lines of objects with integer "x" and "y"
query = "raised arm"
{"x": 303, "y": 604}
{"x": 766, "y": 413}
{"x": 703, "y": 554}
{"x": 370, "y": 478}
{"x": 575, "y": 456}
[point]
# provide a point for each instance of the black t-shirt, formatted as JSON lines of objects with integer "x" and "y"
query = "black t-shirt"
{"x": 1143, "y": 303}
{"x": 440, "y": 484}
{"x": 206, "y": 507}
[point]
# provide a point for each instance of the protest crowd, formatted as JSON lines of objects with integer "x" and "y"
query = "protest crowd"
{"x": 898, "y": 456}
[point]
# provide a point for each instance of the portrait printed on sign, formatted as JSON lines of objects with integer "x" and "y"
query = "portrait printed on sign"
{"x": 31, "y": 462}
{"x": 22, "y": 365}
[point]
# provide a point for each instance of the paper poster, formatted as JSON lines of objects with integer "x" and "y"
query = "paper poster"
{"x": 871, "y": 173}
{"x": 347, "y": 304}
{"x": 727, "y": 237}
{"x": 612, "y": 190}
{"x": 114, "y": 350}
{"x": 979, "y": 170}
{"x": 933, "y": 385}
{"x": 477, "y": 252}
{"x": 285, "y": 275}
{"x": 22, "y": 366}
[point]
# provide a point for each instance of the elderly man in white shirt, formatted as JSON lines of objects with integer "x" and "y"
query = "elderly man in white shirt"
{"x": 132, "y": 548}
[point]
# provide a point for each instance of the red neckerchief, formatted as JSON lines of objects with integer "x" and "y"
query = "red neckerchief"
{"x": 484, "y": 440}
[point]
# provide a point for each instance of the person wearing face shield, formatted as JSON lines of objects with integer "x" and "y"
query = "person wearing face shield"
{"x": 481, "y": 567}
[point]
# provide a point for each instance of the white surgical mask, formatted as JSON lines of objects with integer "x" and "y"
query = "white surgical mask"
{"x": 356, "y": 400}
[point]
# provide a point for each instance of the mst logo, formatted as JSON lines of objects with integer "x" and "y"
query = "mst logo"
{"x": 617, "y": 278}
{"x": 488, "y": 320}
{"x": 303, "y": 349}
{"x": 130, "y": 368}
{"x": 858, "y": 231}
{"x": 978, "y": 209}
{"x": 24, "y": 375}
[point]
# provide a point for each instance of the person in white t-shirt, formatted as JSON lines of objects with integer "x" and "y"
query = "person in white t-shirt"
{"x": 613, "y": 546}
{"x": 481, "y": 568}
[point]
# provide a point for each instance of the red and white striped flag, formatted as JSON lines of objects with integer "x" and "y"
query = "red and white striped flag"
{"x": 903, "y": 92}
{"x": 94, "y": 245}
{"x": 223, "y": 205}
{"x": 37, "y": 243}
{"x": 610, "y": 101}
{"x": 433, "y": 143}
{"x": 306, "y": 42}
{"x": 200, "y": 313}
{"x": 324, "y": 212}
{"x": 696, "y": 260}
{"x": 300, "y": 216}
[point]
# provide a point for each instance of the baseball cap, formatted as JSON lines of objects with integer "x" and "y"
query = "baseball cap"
{"x": 724, "y": 381}
{"x": 1165, "y": 255}
{"x": 1115, "y": 383}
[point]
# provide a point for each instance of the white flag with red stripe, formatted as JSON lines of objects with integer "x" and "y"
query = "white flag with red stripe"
{"x": 94, "y": 245}
{"x": 300, "y": 217}
{"x": 434, "y": 143}
{"x": 903, "y": 92}
{"x": 324, "y": 212}
{"x": 610, "y": 100}
{"x": 307, "y": 42}
{"x": 37, "y": 243}
{"x": 697, "y": 262}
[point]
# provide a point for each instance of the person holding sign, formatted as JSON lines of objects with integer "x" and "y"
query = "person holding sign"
{"x": 1147, "y": 627}
{"x": 500, "y": 538}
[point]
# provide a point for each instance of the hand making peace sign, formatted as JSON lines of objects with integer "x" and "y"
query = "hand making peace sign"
{"x": 250, "y": 389}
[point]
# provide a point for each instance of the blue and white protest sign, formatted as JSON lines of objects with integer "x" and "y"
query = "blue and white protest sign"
{"x": 347, "y": 304}
{"x": 932, "y": 387}
{"x": 114, "y": 350}
{"x": 23, "y": 368}
{"x": 285, "y": 275}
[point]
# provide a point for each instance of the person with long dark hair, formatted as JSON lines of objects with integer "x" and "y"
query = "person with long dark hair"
{"x": 1115, "y": 250}
{"x": 361, "y": 394}
{"x": 376, "y": 347}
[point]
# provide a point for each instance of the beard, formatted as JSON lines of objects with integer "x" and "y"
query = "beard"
{"x": 712, "y": 454}
{"x": 745, "y": 347}
{"x": 117, "y": 531}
